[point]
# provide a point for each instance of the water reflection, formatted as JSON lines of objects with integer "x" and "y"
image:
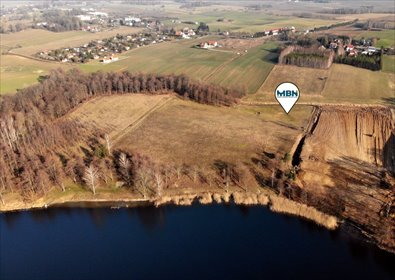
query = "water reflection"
{"x": 244, "y": 210}
{"x": 171, "y": 223}
{"x": 10, "y": 219}
{"x": 151, "y": 218}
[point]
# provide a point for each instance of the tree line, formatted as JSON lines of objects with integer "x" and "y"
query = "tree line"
{"x": 35, "y": 151}
{"x": 314, "y": 57}
{"x": 60, "y": 21}
{"x": 372, "y": 62}
{"x": 52, "y": 20}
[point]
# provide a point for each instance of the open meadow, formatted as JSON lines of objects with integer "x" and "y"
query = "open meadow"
{"x": 339, "y": 84}
{"x": 248, "y": 21}
{"x": 30, "y": 41}
{"x": 249, "y": 71}
{"x": 385, "y": 38}
{"x": 389, "y": 63}
{"x": 244, "y": 71}
{"x": 17, "y": 72}
{"x": 176, "y": 57}
{"x": 173, "y": 130}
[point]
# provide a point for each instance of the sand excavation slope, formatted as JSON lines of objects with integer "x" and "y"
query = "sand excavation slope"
{"x": 346, "y": 165}
{"x": 363, "y": 134}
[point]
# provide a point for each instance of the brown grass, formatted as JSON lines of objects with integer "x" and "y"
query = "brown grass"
{"x": 190, "y": 133}
{"x": 194, "y": 134}
{"x": 284, "y": 205}
{"x": 116, "y": 114}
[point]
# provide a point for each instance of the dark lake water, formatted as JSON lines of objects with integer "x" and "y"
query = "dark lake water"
{"x": 196, "y": 242}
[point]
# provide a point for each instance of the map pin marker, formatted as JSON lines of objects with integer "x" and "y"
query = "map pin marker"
{"x": 287, "y": 94}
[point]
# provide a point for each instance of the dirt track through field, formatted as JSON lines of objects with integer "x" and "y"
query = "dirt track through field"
{"x": 161, "y": 104}
{"x": 220, "y": 67}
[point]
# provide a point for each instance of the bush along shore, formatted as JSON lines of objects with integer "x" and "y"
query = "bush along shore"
{"x": 275, "y": 202}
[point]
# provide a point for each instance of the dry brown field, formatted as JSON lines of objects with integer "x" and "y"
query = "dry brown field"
{"x": 172, "y": 130}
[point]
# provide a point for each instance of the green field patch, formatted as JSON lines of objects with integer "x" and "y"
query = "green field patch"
{"x": 243, "y": 21}
{"x": 339, "y": 84}
{"x": 388, "y": 63}
{"x": 248, "y": 71}
{"x": 167, "y": 58}
{"x": 385, "y": 38}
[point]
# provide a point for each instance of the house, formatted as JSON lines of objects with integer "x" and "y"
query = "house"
{"x": 99, "y": 14}
{"x": 274, "y": 31}
{"x": 188, "y": 31}
{"x": 213, "y": 43}
{"x": 191, "y": 32}
{"x": 182, "y": 35}
{"x": 131, "y": 21}
{"x": 85, "y": 17}
{"x": 271, "y": 32}
{"x": 203, "y": 45}
{"x": 349, "y": 48}
{"x": 372, "y": 50}
{"x": 353, "y": 53}
{"x": 208, "y": 44}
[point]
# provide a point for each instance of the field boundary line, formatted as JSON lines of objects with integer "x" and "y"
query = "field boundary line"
{"x": 161, "y": 104}
{"x": 220, "y": 67}
{"x": 345, "y": 105}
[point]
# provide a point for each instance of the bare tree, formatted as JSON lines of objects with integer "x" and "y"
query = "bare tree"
{"x": 179, "y": 170}
{"x": 143, "y": 181}
{"x": 159, "y": 183}
{"x": 90, "y": 177}
{"x": 108, "y": 143}
{"x": 9, "y": 133}
{"x": 195, "y": 173}
{"x": 124, "y": 164}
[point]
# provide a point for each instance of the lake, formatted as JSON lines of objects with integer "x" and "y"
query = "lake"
{"x": 175, "y": 242}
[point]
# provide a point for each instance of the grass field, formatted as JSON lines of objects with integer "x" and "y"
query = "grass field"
{"x": 385, "y": 37}
{"x": 186, "y": 132}
{"x": 246, "y": 71}
{"x": 19, "y": 72}
{"x": 243, "y": 21}
{"x": 167, "y": 58}
{"x": 389, "y": 63}
{"x": 30, "y": 41}
{"x": 249, "y": 71}
{"x": 339, "y": 84}
{"x": 99, "y": 112}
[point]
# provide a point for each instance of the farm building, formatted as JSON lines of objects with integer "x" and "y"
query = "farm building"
{"x": 208, "y": 44}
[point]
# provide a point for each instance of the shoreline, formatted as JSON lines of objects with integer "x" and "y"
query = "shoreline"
{"x": 273, "y": 202}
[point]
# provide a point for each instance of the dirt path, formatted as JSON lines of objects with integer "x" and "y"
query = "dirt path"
{"x": 132, "y": 126}
{"x": 32, "y": 58}
{"x": 267, "y": 103}
{"x": 220, "y": 67}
